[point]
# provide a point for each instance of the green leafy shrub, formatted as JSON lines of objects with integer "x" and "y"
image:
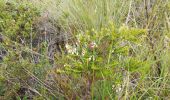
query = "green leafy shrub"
{"x": 16, "y": 20}
{"x": 17, "y": 68}
{"x": 97, "y": 57}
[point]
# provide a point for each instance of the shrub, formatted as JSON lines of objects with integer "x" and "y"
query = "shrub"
{"x": 16, "y": 27}
{"x": 17, "y": 20}
{"x": 94, "y": 62}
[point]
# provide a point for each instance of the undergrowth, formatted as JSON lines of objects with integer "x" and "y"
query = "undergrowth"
{"x": 93, "y": 49}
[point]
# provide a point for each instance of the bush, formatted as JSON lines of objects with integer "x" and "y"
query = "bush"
{"x": 17, "y": 20}
{"x": 16, "y": 27}
{"x": 95, "y": 60}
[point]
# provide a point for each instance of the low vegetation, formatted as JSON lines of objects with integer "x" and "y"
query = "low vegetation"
{"x": 93, "y": 49}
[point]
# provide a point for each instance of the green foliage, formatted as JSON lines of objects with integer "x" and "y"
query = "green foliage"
{"x": 120, "y": 50}
{"x": 16, "y": 26}
{"x": 98, "y": 55}
{"x": 16, "y": 20}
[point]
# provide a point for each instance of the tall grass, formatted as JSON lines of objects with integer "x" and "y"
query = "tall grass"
{"x": 87, "y": 14}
